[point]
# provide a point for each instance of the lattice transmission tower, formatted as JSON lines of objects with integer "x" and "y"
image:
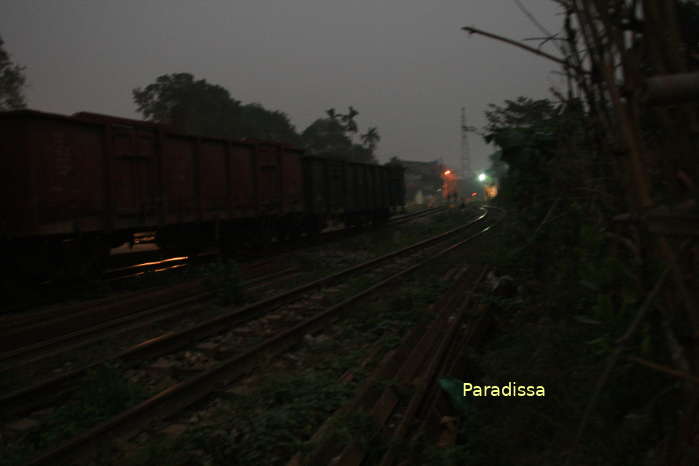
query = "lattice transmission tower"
{"x": 465, "y": 149}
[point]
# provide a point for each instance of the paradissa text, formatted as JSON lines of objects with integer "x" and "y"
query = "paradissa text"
{"x": 511, "y": 389}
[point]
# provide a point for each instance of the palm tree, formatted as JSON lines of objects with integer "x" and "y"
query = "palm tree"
{"x": 371, "y": 138}
{"x": 348, "y": 120}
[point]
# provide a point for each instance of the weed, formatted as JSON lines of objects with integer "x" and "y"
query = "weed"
{"x": 159, "y": 452}
{"x": 103, "y": 393}
{"x": 224, "y": 277}
{"x": 274, "y": 422}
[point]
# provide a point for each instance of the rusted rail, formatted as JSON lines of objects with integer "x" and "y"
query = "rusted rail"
{"x": 414, "y": 367}
{"x": 175, "y": 398}
{"x": 425, "y": 354}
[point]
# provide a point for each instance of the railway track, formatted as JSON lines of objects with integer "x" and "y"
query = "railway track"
{"x": 160, "y": 263}
{"x": 35, "y": 327}
{"x": 166, "y": 305}
{"x": 113, "y": 321}
{"x": 400, "y": 425}
{"x": 62, "y": 325}
{"x": 424, "y": 355}
{"x": 233, "y": 341}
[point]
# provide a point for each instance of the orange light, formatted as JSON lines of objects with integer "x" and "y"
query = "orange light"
{"x": 447, "y": 172}
{"x": 474, "y": 194}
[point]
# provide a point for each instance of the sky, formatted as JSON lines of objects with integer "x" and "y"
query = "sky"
{"x": 405, "y": 65}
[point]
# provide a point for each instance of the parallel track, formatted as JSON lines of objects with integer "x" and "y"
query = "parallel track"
{"x": 192, "y": 389}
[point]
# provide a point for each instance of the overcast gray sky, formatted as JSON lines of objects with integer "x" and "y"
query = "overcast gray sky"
{"x": 404, "y": 64}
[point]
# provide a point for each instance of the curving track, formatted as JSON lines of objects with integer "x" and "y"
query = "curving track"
{"x": 287, "y": 317}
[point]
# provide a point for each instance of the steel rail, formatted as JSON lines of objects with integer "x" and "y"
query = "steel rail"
{"x": 416, "y": 369}
{"x": 442, "y": 342}
{"x": 185, "y": 393}
{"x": 129, "y": 322}
{"x": 30, "y": 397}
{"x": 28, "y": 322}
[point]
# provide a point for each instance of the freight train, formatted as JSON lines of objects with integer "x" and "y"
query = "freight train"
{"x": 72, "y": 187}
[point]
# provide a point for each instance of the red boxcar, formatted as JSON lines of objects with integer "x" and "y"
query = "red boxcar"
{"x": 93, "y": 180}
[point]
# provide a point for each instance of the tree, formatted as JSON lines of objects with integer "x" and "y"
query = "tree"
{"x": 521, "y": 113}
{"x": 371, "y": 138}
{"x": 526, "y": 132}
{"x": 333, "y": 137}
{"x": 348, "y": 120}
{"x": 256, "y": 122}
{"x": 12, "y": 81}
{"x": 326, "y": 136}
{"x": 191, "y": 106}
{"x": 202, "y": 108}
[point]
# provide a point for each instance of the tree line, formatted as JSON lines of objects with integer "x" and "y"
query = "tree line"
{"x": 196, "y": 106}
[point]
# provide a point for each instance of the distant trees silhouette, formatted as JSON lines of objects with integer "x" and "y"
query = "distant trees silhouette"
{"x": 12, "y": 82}
{"x": 199, "y": 107}
{"x": 196, "y": 106}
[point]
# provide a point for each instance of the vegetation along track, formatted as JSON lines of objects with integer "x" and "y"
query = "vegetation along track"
{"x": 276, "y": 332}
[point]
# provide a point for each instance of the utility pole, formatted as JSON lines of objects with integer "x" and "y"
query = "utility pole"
{"x": 465, "y": 150}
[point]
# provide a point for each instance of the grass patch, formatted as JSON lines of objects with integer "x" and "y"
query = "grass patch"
{"x": 272, "y": 423}
{"x": 224, "y": 278}
{"x": 103, "y": 393}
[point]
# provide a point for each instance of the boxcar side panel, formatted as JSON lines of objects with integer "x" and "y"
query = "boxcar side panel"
{"x": 355, "y": 179}
{"x": 131, "y": 161}
{"x": 373, "y": 191}
{"x": 314, "y": 186}
{"x": 385, "y": 187}
{"x": 381, "y": 186}
{"x": 133, "y": 176}
{"x": 269, "y": 180}
{"x": 351, "y": 201}
{"x": 179, "y": 173}
{"x": 213, "y": 179}
{"x": 358, "y": 180}
{"x": 17, "y": 206}
{"x": 66, "y": 175}
{"x": 363, "y": 187}
{"x": 335, "y": 184}
{"x": 292, "y": 176}
{"x": 242, "y": 176}
{"x": 397, "y": 183}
